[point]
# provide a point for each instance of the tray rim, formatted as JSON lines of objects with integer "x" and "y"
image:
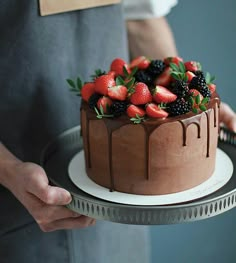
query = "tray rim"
{"x": 91, "y": 200}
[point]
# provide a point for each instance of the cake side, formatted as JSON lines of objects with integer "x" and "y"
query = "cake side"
{"x": 156, "y": 157}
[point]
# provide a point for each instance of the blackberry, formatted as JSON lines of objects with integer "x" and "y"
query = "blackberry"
{"x": 197, "y": 82}
{"x": 118, "y": 108}
{"x": 205, "y": 92}
{"x": 199, "y": 73}
{"x": 156, "y": 67}
{"x": 93, "y": 100}
{"x": 179, "y": 107}
{"x": 180, "y": 88}
{"x": 142, "y": 76}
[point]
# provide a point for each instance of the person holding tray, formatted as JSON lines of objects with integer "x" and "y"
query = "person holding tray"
{"x": 37, "y": 54}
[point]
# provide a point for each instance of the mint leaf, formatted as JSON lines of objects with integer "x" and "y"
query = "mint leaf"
{"x": 194, "y": 110}
{"x": 174, "y": 67}
{"x": 71, "y": 83}
{"x": 205, "y": 101}
{"x": 198, "y": 99}
{"x": 182, "y": 67}
{"x": 119, "y": 81}
{"x": 202, "y": 107}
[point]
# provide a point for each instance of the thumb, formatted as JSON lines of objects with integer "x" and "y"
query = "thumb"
{"x": 38, "y": 185}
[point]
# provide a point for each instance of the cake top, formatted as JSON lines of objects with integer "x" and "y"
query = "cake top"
{"x": 146, "y": 89}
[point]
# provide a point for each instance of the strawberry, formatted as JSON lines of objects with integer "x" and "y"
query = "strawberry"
{"x": 141, "y": 94}
{"x": 133, "y": 111}
{"x": 154, "y": 111}
{"x": 212, "y": 87}
{"x": 118, "y": 92}
{"x": 117, "y": 66}
{"x": 174, "y": 60}
{"x": 192, "y": 66}
{"x": 111, "y": 73}
{"x": 165, "y": 78}
{"x": 140, "y": 62}
{"x": 190, "y": 75}
{"x": 105, "y": 103}
{"x": 103, "y": 82}
{"x": 162, "y": 94}
{"x": 196, "y": 93}
{"x": 87, "y": 90}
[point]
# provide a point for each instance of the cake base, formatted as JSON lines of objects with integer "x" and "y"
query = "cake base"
{"x": 222, "y": 174}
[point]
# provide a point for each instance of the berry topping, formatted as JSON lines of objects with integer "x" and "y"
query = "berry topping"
{"x": 104, "y": 103}
{"x": 190, "y": 76}
{"x": 133, "y": 111}
{"x": 141, "y": 94}
{"x": 163, "y": 95}
{"x": 154, "y": 111}
{"x": 180, "y": 88}
{"x": 156, "y": 67}
{"x": 174, "y": 60}
{"x": 118, "y": 65}
{"x": 211, "y": 87}
{"x": 140, "y": 62}
{"x": 103, "y": 82}
{"x": 179, "y": 107}
{"x": 93, "y": 100}
{"x": 143, "y": 76}
{"x": 118, "y": 108}
{"x": 118, "y": 92}
{"x": 87, "y": 90}
{"x": 192, "y": 66}
{"x": 165, "y": 78}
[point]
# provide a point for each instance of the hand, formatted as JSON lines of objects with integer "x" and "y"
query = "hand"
{"x": 227, "y": 116}
{"x": 29, "y": 183}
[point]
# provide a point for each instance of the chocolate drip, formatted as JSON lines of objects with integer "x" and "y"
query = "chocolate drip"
{"x": 186, "y": 122}
{"x": 208, "y": 131}
{"x": 149, "y": 127}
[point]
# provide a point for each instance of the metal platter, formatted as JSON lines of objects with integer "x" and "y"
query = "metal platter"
{"x": 58, "y": 153}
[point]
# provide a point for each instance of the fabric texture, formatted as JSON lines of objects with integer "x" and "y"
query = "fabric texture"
{"x": 146, "y": 9}
{"x": 37, "y": 55}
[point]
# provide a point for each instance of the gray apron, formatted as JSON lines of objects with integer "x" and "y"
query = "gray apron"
{"x": 37, "y": 54}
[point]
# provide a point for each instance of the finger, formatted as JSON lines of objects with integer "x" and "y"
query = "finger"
{"x": 48, "y": 214}
{"x": 37, "y": 184}
{"x": 70, "y": 223}
{"x": 228, "y": 116}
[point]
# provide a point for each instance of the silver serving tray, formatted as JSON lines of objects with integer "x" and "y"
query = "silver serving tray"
{"x": 57, "y": 155}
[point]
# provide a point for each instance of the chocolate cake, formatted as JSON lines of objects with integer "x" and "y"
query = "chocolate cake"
{"x": 150, "y": 145}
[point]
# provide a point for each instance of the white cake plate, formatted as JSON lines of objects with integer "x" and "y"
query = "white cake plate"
{"x": 222, "y": 174}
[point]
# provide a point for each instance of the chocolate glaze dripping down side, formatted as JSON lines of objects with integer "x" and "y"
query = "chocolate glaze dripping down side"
{"x": 149, "y": 127}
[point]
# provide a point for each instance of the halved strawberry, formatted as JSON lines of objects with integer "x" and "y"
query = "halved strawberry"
{"x": 162, "y": 94}
{"x": 190, "y": 75}
{"x": 133, "y": 111}
{"x": 195, "y": 93}
{"x": 165, "y": 78}
{"x": 140, "y": 62}
{"x": 174, "y": 60}
{"x": 117, "y": 66}
{"x": 212, "y": 87}
{"x": 192, "y": 66}
{"x": 87, "y": 90}
{"x": 141, "y": 94}
{"x": 105, "y": 103}
{"x": 154, "y": 111}
{"x": 118, "y": 92}
{"x": 103, "y": 82}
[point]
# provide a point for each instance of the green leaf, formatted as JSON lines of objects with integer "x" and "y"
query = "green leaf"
{"x": 135, "y": 69}
{"x": 194, "y": 110}
{"x": 212, "y": 78}
{"x": 175, "y": 75}
{"x": 198, "y": 99}
{"x": 191, "y": 100}
{"x": 71, "y": 83}
{"x": 205, "y": 101}
{"x": 208, "y": 78}
{"x": 174, "y": 67}
{"x": 101, "y": 109}
{"x": 79, "y": 83}
{"x": 130, "y": 84}
{"x": 119, "y": 81}
{"x": 202, "y": 107}
{"x": 182, "y": 67}
{"x": 126, "y": 73}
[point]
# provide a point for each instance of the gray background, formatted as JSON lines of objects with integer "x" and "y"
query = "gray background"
{"x": 204, "y": 31}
